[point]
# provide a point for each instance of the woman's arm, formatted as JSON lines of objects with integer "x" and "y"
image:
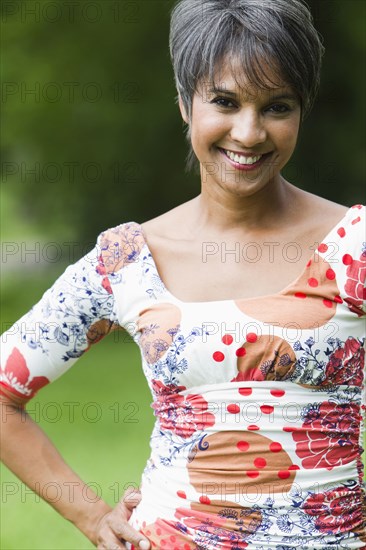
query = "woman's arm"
{"x": 31, "y": 456}
{"x": 76, "y": 312}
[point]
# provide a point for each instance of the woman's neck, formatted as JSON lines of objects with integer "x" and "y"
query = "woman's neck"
{"x": 217, "y": 211}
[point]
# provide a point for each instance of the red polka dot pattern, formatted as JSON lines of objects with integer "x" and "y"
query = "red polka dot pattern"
{"x": 242, "y": 446}
{"x": 260, "y": 462}
{"x": 278, "y": 393}
{"x": 313, "y": 282}
{"x": 252, "y": 473}
{"x": 204, "y": 499}
{"x": 218, "y": 356}
{"x": 338, "y": 299}
{"x": 330, "y": 274}
{"x": 240, "y": 352}
{"x": 356, "y": 220}
{"x": 181, "y": 494}
{"x": 275, "y": 447}
{"x": 300, "y": 295}
{"x": 248, "y": 456}
{"x": 245, "y": 391}
{"x": 227, "y": 339}
{"x": 347, "y": 259}
{"x": 327, "y": 303}
{"x": 283, "y": 474}
{"x": 267, "y": 409}
{"x": 251, "y": 337}
{"x": 341, "y": 232}
{"x": 253, "y": 427}
{"x": 323, "y": 247}
{"x": 233, "y": 408}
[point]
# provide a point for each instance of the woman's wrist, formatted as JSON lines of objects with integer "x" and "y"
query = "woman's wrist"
{"x": 89, "y": 518}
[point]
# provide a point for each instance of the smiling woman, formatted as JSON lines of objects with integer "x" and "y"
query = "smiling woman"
{"x": 255, "y": 363}
{"x": 243, "y": 133}
{"x": 266, "y": 43}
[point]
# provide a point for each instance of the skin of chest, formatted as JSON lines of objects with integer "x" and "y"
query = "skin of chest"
{"x": 216, "y": 270}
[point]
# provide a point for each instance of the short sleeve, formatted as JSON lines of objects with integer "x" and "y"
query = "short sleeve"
{"x": 76, "y": 312}
{"x": 353, "y": 260}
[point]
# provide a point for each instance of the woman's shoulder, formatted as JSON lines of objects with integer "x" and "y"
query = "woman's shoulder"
{"x": 323, "y": 205}
{"x": 120, "y": 245}
{"x": 169, "y": 224}
{"x": 323, "y": 212}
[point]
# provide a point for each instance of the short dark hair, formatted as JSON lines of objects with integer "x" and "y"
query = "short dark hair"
{"x": 204, "y": 32}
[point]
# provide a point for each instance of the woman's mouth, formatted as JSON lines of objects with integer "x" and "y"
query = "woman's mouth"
{"x": 244, "y": 162}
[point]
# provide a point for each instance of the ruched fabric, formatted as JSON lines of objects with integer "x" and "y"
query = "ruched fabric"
{"x": 259, "y": 402}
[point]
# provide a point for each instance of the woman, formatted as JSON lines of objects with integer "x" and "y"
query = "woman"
{"x": 246, "y": 303}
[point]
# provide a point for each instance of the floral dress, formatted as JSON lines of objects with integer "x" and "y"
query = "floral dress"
{"x": 257, "y": 442}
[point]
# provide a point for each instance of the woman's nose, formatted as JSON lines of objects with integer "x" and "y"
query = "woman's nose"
{"x": 248, "y": 128}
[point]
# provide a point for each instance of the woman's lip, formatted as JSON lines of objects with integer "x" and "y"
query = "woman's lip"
{"x": 243, "y": 154}
{"x": 245, "y": 167}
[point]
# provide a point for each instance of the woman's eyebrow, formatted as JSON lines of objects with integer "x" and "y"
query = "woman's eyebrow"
{"x": 215, "y": 90}
{"x": 288, "y": 95}
{"x": 272, "y": 95}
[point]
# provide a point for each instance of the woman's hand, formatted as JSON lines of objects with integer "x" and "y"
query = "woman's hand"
{"x": 113, "y": 529}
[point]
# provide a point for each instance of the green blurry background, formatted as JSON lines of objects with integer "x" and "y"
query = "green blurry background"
{"x": 92, "y": 137}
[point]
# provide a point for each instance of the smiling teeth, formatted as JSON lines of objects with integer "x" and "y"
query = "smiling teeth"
{"x": 241, "y": 159}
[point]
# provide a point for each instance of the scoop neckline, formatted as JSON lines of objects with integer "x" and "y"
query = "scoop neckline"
{"x": 233, "y": 300}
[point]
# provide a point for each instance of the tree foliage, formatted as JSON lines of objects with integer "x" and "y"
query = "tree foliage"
{"x": 91, "y": 133}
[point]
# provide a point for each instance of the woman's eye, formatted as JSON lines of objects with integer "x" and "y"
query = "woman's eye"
{"x": 279, "y": 108}
{"x": 223, "y": 102}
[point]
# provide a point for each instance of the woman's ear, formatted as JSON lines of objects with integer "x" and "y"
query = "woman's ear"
{"x": 182, "y": 110}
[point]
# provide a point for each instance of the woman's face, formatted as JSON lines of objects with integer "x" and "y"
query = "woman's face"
{"x": 243, "y": 136}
